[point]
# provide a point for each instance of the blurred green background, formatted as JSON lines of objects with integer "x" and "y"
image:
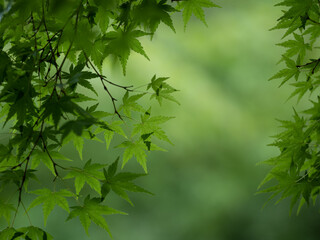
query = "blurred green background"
{"x": 205, "y": 184}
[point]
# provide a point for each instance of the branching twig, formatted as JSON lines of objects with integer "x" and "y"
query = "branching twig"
{"x": 127, "y": 88}
{"x": 104, "y": 86}
{"x": 313, "y": 21}
{"x": 49, "y": 155}
{"x": 316, "y": 62}
{"x": 49, "y": 42}
{"x": 309, "y": 63}
{"x": 55, "y": 165}
{"x": 25, "y": 210}
{"x": 27, "y": 160}
{"x": 18, "y": 165}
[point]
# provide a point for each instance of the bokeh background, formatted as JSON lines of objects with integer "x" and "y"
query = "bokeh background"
{"x": 205, "y": 184}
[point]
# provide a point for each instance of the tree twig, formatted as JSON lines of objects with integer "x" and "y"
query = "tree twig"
{"x": 104, "y": 86}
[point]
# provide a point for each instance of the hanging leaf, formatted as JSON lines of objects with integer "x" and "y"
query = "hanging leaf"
{"x": 93, "y": 211}
{"x": 49, "y": 199}
{"x": 88, "y": 174}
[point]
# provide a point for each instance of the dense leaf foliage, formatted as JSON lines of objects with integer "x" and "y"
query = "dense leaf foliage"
{"x": 296, "y": 170}
{"x": 51, "y": 56}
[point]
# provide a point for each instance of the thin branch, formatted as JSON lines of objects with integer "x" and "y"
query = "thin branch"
{"x": 314, "y": 68}
{"x": 104, "y": 87}
{"x": 18, "y": 165}
{"x": 127, "y": 88}
{"x": 313, "y": 21}
{"x": 143, "y": 85}
{"x": 25, "y": 210}
{"x": 27, "y": 159}
{"x": 55, "y": 165}
{"x": 26, "y": 167}
{"x": 36, "y": 30}
{"x": 14, "y": 217}
{"x": 74, "y": 36}
{"x": 49, "y": 155}
{"x": 316, "y": 62}
{"x": 35, "y": 34}
{"x": 57, "y": 75}
{"x": 309, "y": 63}
{"x": 49, "y": 39}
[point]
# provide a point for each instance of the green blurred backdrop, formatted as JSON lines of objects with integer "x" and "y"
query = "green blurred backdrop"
{"x": 205, "y": 184}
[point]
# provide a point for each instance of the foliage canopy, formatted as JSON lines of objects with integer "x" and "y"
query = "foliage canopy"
{"x": 296, "y": 170}
{"x": 50, "y": 51}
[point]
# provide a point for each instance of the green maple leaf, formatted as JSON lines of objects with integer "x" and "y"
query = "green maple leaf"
{"x": 301, "y": 89}
{"x": 296, "y": 16}
{"x": 5, "y": 210}
{"x": 89, "y": 174}
{"x": 57, "y": 107}
{"x": 296, "y": 46}
{"x": 7, "y": 234}
{"x": 76, "y": 126}
{"x": 5, "y": 154}
{"x": 151, "y": 12}
{"x": 34, "y": 233}
{"x": 291, "y": 71}
{"x": 97, "y": 55}
{"x": 314, "y": 111}
{"x": 290, "y": 24}
{"x": 137, "y": 149}
{"x": 114, "y": 127}
{"x": 93, "y": 210}
{"x": 124, "y": 16}
{"x": 76, "y": 76}
{"x": 49, "y": 199}
{"x": 130, "y": 104}
{"x": 297, "y": 8}
{"x": 15, "y": 176}
{"x": 314, "y": 31}
{"x": 162, "y": 89}
{"x": 194, "y": 7}
{"x": 103, "y": 18}
{"x": 150, "y": 124}
{"x": 40, "y": 156}
{"x": 122, "y": 42}
{"x": 78, "y": 142}
{"x": 120, "y": 183}
{"x": 22, "y": 106}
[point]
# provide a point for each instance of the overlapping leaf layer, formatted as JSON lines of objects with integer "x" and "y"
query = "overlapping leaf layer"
{"x": 296, "y": 170}
{"x": 51, "y": 53}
